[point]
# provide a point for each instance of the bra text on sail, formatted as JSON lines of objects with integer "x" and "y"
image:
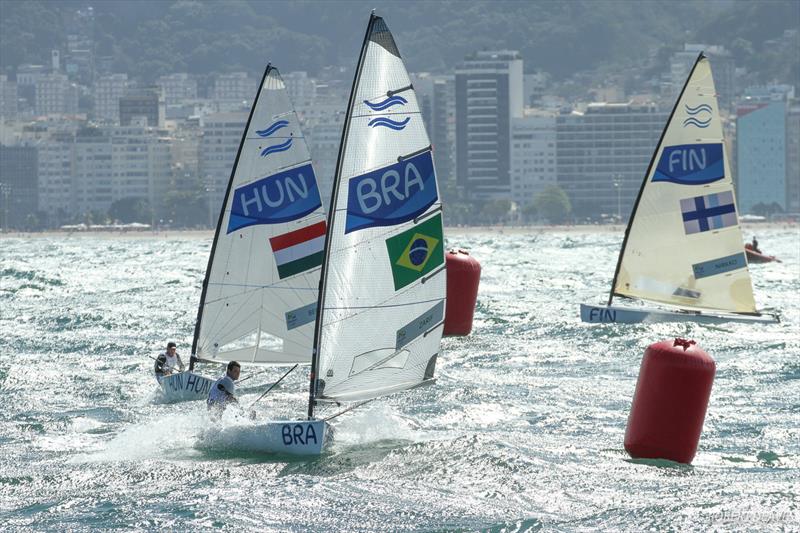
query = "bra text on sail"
{"x": 282, "y": 197}
{"x": 391, "y": 195}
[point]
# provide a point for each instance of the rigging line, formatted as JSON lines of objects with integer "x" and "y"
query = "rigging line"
{"x": 274, "y": 385}
{"x": 386, "y": 113}
{"x": 402, "y": 158}
{"x": 359, "y": 404}
{"x": 214, "y": 328}
{"x": 435, "y": 272}
{"x": 388, "y": 306}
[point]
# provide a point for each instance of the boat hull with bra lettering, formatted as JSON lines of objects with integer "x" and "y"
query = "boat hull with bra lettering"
{"x": 282, "y": 437}
{"x": 619, "y": 314}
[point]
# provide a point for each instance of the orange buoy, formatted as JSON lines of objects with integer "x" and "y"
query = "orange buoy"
{"x": 463, "y": 277}
{"x": 670, "y": 401}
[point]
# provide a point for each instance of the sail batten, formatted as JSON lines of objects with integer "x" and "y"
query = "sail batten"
{"x": 378, "y": 301}
{"x": 683, "y": 245}
{"x": 259, "y": 295}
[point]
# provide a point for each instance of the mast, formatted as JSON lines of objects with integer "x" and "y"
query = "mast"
{"x": 312, "y": 389}
{"x": 700, "y": 57}
{"x": 221, "y": 216}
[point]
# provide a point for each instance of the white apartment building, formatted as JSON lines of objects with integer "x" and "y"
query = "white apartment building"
{"x": 55, "y": 94}
{"x": 178, "y": 88}
{"x": 533, "y": 156}
{"x": 8, "y": 98}
{"x": 236, "y": 88}
{"x": 107, "y": 92}
{"x": 221, "y": 135}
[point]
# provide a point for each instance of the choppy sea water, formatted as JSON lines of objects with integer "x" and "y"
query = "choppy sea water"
{"x": 523, "y": 431}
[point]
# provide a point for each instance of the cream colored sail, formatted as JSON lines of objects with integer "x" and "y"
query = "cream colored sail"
{"x": 684, "y": 245}
{"x": 260, "y": 293}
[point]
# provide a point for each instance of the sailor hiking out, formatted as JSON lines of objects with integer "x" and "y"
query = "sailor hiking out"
{"x": 168, "y": 362}
{"x": 223, "y": 390}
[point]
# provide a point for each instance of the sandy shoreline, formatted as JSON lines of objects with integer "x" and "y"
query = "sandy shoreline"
{"x": 747, "y": 228}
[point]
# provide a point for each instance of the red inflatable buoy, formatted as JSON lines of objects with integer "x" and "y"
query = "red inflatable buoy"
{"x": 463, "y": 276}
{"x": 670, "y": 401}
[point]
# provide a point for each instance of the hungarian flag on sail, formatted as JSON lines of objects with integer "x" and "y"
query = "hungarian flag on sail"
{"x": 299, "y": 250}
{"x": 416, "y": 252}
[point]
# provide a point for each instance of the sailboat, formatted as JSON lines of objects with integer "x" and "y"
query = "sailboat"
{"x": 259, "y": 296}
{"x": 683, "y": 245}
{"x": 381, "y": 304}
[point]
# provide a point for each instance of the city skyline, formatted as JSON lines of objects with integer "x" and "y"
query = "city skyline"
{"x": 502, "y": 135}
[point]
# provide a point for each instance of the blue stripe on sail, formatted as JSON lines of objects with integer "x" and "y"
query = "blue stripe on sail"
{"x": 273, "y": 128}
{"x": 699, "y": 109}
{"x": 389, "y": 102}
{"x": 277, "y": 148}
{"x": 389, "y": 123}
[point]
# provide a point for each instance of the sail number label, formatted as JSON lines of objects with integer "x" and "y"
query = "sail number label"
{"x": 391, "y": 195}
{"x": 690, "y": 164}
{"x": 282, "y": 197}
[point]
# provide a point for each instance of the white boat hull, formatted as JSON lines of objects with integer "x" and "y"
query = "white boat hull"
{"x": 289, "y": 437}
{"x": 617, "y": 314}
{"x": 184, "y": 386}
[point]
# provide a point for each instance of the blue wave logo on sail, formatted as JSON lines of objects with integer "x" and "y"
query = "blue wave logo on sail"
{"x": 272, "y": 128}
{"x": 277, "y": 148}
{"x": 391, "y": 195}
{"x": 282, "y": 197}
{"x": 386, "y": 104}
{"x": 389, "y": 123}
{"x": 690, "y": 164}
{"x": 693, "y": 119}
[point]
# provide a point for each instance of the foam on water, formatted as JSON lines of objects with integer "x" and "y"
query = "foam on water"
{"x": 523, "y": 429}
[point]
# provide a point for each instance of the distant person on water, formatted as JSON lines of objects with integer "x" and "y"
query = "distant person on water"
{"x": 222, "y": 391}
{"x": 169, "y": 361}
{"x": 754, "y": 245}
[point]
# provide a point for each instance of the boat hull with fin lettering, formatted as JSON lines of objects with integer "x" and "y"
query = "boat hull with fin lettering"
{"x": 618, "y": 314}
{"x": 184, "y": 386}
{"x": 285, "y": 437}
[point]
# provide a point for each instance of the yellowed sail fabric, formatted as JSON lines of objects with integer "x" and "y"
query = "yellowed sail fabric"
{"x": 685, "y": 246}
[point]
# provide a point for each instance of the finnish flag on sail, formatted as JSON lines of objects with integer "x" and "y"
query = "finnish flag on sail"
{"x": 709, "y": 212}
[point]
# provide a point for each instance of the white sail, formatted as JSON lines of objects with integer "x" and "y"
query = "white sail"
{"x": 684, "y": 245}
{"x": 260, "y": 292}
{"x": 383, "y": 291}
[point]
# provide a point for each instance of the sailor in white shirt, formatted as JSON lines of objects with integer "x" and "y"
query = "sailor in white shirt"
{"x": 222, "y": 391}
{"x": 169, "y": 361}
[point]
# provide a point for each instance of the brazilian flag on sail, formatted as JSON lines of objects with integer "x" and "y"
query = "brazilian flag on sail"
{"x": 416, "y": 252}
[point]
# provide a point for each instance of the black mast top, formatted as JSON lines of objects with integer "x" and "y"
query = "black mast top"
{"x": 646, "y": 174}
{"x": 222, "y": 213}
{"x": 312, "y": 389}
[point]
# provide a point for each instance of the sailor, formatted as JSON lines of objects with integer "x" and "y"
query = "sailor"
{"x": 169, "y": 361}
{"x": 222, "y": 391}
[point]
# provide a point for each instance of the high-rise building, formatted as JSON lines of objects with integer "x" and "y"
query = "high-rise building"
{"x": 533, "y": 156}
{"x": 55, "y": 95}
{"x": 323, "y": 143}
{"x": 793, "y": 158}
{"x": 108, "y": 90}
{"x": 18, "y": 185}
{"x": 8, "y": 98}
{"x": 55, "y": 177}
{"x": 92, "y": 171}
{"x": 602, "y": 155}
{"x": 761, "y": 156}
{"x": 147, "y": 102}
{"x": 301, "y": 88}
{"x": 222, "y": 133}
{"x": 489, "y": 94}
{"x": 177, "y": 88}
{"x": 234, "y": 90}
